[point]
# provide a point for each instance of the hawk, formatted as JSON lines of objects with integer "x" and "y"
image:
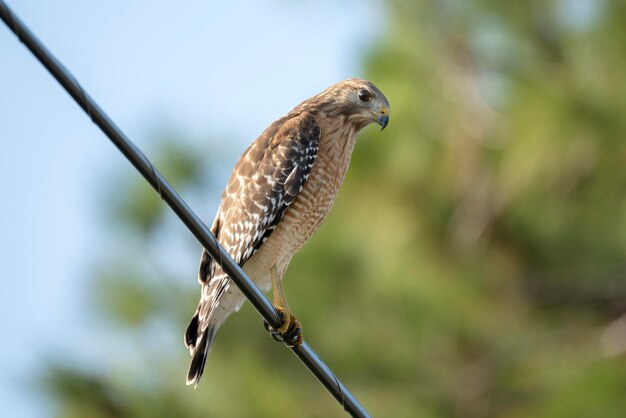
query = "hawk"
{"x": 278, "y": 194}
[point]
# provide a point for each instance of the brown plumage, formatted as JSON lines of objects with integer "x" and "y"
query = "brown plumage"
{"x": 279, "y": 192}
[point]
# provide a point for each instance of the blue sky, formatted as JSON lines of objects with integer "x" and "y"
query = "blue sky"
{"x": 201, "y": 68}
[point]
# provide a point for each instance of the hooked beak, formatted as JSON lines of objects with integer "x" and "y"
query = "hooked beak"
{"x": 383, "y": 117}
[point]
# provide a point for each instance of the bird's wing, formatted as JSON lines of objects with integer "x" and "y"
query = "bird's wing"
{"x": 265, "y": 181}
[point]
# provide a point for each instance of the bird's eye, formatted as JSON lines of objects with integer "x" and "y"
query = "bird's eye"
{"x": 365, "y": 96}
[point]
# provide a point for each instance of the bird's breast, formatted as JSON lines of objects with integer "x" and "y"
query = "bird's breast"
{"x": 313, "y": 203}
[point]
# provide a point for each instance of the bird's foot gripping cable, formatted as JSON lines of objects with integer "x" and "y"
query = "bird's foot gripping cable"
{"x": 292, "y": 336}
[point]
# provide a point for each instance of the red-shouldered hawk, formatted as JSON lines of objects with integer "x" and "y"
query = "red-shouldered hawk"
{"x": 278, "y": 194}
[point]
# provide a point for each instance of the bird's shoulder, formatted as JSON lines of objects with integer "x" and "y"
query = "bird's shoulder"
{"x": 296, "y": 127}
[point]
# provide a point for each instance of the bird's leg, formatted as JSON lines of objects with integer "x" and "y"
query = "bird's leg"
{"x": 280, "y": 300}
{"x": 290, "y": 330}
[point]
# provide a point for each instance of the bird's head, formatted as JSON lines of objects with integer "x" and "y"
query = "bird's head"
{"x": 359, "y": 101}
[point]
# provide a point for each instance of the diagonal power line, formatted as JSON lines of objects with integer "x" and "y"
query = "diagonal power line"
{"x": 308, "y": 357}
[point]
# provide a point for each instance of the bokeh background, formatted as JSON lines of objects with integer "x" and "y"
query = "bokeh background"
{"x": 474, "y": 264}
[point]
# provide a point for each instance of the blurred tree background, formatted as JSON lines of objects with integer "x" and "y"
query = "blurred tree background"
{"x": 474, "y": 264}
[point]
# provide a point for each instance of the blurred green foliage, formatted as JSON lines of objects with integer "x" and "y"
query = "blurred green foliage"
{"x": 474, "y": 264}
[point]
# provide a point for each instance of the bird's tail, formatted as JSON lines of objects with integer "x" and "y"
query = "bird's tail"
{"x": 204, "y": 325}
{"x": 199, "y": 346}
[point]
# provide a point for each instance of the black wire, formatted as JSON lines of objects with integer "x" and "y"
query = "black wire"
{"x": 315, "y": 365}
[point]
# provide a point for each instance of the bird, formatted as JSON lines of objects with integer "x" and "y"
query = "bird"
{"x": 277, "y": 196}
